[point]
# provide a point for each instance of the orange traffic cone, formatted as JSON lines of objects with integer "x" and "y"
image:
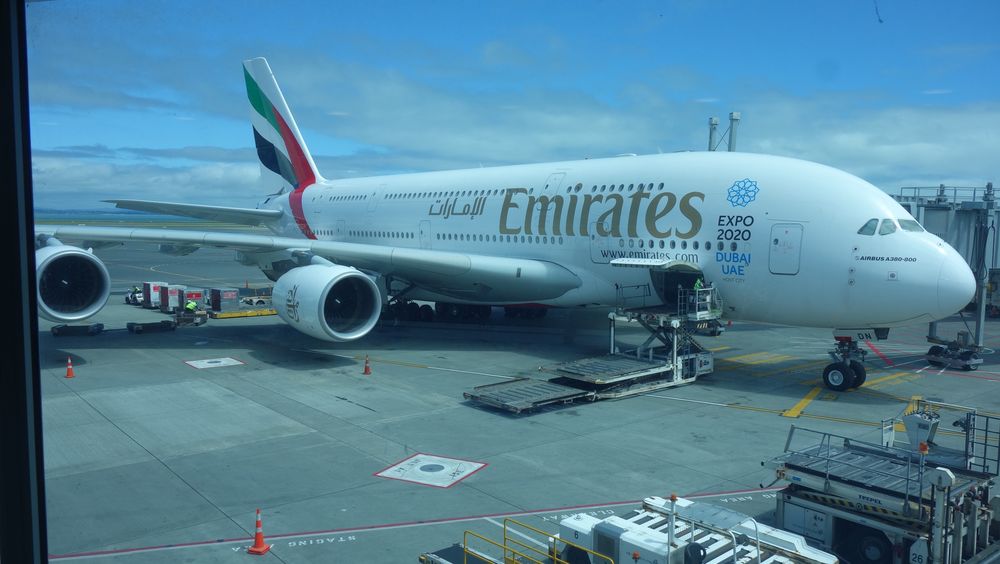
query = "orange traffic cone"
{"x": 368, "y": 367}
{"x": 258, "y": 540}
{"x": 69, "y": 367}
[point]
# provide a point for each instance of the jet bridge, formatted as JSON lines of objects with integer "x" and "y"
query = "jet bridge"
{"x": 669, "y": 357}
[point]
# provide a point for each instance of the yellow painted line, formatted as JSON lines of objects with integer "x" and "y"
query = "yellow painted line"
{"x": 912, "y": 405}
{"x": 743, "y": 356}
{"x": 754, "y": 408}
{"x": 797, "y": 408}
{"x": 881, "y": 379}
{"x": 242, "y": 313}
{"x": 794, "y": 368}
{"x": 770, "y": 360}
{"x": 843, "y": 420}
{"x": 717, "y": 349}
{"x": 755, "y": 358}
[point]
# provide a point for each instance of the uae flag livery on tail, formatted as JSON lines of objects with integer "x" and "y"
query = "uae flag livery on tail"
{"x": 280, "y": 147}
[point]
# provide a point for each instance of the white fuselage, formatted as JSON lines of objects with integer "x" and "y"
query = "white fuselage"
{"x": 778, "y": 237}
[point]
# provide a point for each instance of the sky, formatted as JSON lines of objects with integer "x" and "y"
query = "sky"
{"x": 146, "y": 100}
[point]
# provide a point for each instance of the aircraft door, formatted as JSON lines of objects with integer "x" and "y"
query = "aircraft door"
{"x": 600, "y": 246}
{"x": 553, "y": 183}
{"x": 425, "y": 234}
{"x": 373, "y": 197}
{"x": 341, "y": 230}
{"x": 786, "y": 248}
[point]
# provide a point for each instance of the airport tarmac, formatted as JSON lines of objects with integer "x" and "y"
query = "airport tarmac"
{"x": 153, "y": 456}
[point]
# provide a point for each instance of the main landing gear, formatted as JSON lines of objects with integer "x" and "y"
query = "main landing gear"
{"x": 848, "y": 369}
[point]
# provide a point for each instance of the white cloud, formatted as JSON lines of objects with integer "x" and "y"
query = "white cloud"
{"x": 81, "y": 183}
{"x": 414, "y": 123}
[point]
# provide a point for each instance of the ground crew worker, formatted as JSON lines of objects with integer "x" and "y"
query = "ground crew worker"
{"x": 191, "y": 306}
{"x": 697, "y": 284}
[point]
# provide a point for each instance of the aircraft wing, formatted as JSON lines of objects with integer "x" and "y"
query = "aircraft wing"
{"x": 461, "y": 275}
{"x": 241, "y": 216}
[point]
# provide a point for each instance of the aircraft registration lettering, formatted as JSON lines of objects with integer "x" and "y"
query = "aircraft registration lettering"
{"x": 619, "y": 215}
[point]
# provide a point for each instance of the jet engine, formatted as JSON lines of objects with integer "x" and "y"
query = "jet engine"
{"x": 73, "y": 284}
{"x": 329, "y": 302}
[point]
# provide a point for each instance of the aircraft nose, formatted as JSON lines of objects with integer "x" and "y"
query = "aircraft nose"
{"x": 956, "y": 284}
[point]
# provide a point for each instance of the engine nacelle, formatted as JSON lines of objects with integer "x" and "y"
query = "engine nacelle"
{"x": 333, "y": 303}
{"x": 73, "y": 284}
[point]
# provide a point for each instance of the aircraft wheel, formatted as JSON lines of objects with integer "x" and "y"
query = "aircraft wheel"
{"x": 966, "y": 357}
{"x": 426, "y": 313}
{"x": 935, "y": 351}
{"x": 838, "y": 376}
{"x": 873, "y": 547}
{"x": 860, "y": 374}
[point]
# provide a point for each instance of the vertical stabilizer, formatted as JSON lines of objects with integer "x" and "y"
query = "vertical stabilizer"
{"x": 282, "y": 152}
{"x": 280, "y": 147}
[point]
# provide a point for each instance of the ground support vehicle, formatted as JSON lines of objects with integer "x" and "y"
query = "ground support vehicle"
{"x": 669, "y": 357}
{"x": 663, "y": 531}
{"x": 933, "y": 501}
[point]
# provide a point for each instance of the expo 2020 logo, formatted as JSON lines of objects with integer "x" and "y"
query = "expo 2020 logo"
{"x": 742, "y": 192}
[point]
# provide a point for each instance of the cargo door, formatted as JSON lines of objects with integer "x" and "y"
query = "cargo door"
{"x": 786, "y": 248}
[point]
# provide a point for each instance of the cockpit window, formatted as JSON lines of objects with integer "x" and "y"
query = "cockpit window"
{"x": 888, "y": 226}
{"x": 869, "y": 227}
{"x": 910, "y": 225}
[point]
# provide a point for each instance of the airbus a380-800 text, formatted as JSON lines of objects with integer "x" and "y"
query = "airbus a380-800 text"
{"x": 782, "y": 240}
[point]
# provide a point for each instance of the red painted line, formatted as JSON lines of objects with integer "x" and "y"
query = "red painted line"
{"x": 970, "y": 375}
{"x": 385, "y": 526}
{"x": 884, "y": 358}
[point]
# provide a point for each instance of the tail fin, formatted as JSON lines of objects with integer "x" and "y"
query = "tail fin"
{"x": 279, "y": 144}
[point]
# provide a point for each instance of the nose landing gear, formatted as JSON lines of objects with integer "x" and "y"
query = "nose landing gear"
{"x": 848, "y": 369}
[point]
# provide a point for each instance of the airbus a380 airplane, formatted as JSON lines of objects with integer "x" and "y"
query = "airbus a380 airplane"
{"x": 783, "y": 240}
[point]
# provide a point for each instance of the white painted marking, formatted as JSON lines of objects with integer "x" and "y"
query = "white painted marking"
{"x": 431, "y": 470}
{"x": 471, "y": 372}
{"x": 212, "y": 362}
{"x": 689, "y": 400}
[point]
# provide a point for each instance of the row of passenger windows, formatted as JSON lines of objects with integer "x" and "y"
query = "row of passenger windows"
{"x": 536, "y": 239}
{"x": 546, "y": 240}
{"x": 495, "y": 192}
{"x": 344, "y": 198}
{"x": 888, "y": 226}
{"x": 383, "y": 234}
